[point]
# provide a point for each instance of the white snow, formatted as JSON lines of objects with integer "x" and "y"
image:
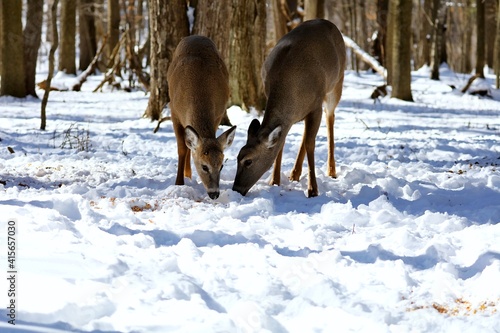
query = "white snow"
{"x": 406, "y": 239}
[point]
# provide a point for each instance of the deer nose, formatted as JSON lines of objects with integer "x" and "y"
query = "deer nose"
{"x": 213, "y": 195}
{"x": 240, "y": 190}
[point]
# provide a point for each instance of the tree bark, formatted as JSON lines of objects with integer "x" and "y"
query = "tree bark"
{"x": 32, "y": 39}
{"x": 401, "y": 52}
{"x": 113, "y": 26}
{"x": 382, "y": 14}
{"x": 53, "y": 48}
{"x": 213, "y": 19}
{"x": 314, "y": 9}
{"x": 12, "y": 71}
{"x": 496, "y": 61}
{"x": 168, "y": 24}
{"x": 437, "y": 37}
{"x": 490, "y": 25}
{"x": 466, "y": 65}
{"x": 480, "y": 41}
{"x": 391, "y": 20}
{"x": 246, "y": 53}
{"x": 67, "y": 52}
{"x": 86, "y": 24}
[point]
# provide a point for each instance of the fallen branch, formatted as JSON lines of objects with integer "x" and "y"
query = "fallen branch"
{"x": 469, "y": 83}
{"x": 363, "y": 55}
{"x": 115, "y": 64}
{"x": 78, "y": 80}
{"x": 160, "y": 121}
{"x": 91, "y": 68}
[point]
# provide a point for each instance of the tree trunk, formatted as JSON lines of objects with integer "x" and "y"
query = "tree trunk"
{"x": 12, "y": 71}
{"x": 67, "y": 52}
{"x": 248, "y": 34}
{"x": 168, "y": 24}
{"x": 281, "y": 15}
{"x": 32, "y": 39}
{"x": 53, "y": 48}
{"x": 437, "y": 40}
{"x": 86, "y": 24}
{"x": 490, "y": 25}
{"x": 213, "y": 19}
{"x": 113, "y": 26}
{"x": 401, "y": 52}
{"x": 480, "y": 44}
{"x": 1, "y": 41}
{"x": 391, "y": 21}
{"x": 496, "y": 61}
{"x": 467, "y": 39}
{"x": 382, "y": 10}
{"x": 427, "y": 23}
{"x": 314, "y": 9}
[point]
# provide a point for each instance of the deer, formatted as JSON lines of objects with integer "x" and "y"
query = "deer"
{"x": 304, "y": 69}
{"x": 198, "y": 88}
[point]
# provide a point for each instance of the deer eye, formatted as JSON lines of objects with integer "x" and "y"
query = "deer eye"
{"x": 248, "y": 162}
{"x": 205, "y": 168}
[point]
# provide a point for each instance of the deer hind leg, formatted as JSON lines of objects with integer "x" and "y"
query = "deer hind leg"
{"x": 276, "y": 177}
{"x": 332, "y": 100}
{"x": 312, "y": 123}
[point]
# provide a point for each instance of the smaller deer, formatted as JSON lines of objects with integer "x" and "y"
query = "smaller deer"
{"x": 305, "y": 68}
{"x": 198, "y": 87}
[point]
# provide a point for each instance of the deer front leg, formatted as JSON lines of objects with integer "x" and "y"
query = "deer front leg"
{"x": 187, "y": 165}
{"x": 182, "y": 150}
{"x": 297, "y": 167}
{"x": 276, "y": 178}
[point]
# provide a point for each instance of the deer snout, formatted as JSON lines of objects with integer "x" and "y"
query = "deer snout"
{"x": 241, "y": 190}
{"x": 214, "y": 194}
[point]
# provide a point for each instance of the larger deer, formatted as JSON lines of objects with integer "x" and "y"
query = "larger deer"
{"x": 198, "y": 87}
{"x": 305, "y": 68}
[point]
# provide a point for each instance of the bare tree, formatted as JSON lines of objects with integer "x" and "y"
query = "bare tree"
{"x": 87, "y": 32}
{"x": 246, "y": 53}
{"x": 53, "y": 48}
{"x": 490, "y": 25}
{"x": 437, "y": 38}
{"x": 480, "y": 41}
{"x": 168, "y": 24}
{"x": 314, "y": 9}
{"x": 67, "y": 52}
{"x": 213, "y": 19}
{"x": 32, "y": 39}
{"x": 497, "y": 50}
{"x": 113, "y": 25}
{"x": 401, "y": 49}
{"x": 380, "y": 46}
{"x": 12, "y": 71}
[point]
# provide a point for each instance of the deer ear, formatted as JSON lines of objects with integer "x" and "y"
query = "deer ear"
{"x": 273, "y": 137}
{"x": 253, "y": 129}
{"x": 226, "y": 138}
{"x": 191, "y": 138}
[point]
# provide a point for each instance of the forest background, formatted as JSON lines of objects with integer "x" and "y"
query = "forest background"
{"x": 132, "y": 41}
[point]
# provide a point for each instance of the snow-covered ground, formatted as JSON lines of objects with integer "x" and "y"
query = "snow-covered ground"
{"x": 407, "y": 239}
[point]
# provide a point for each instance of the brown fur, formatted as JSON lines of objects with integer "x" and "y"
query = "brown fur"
{"x": 198, "y": 87}
{"x": 305, "y": 68}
